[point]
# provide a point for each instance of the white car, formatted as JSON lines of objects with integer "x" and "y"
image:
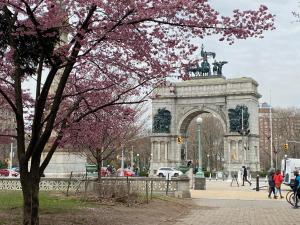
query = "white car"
{"x": 164, "y": 171}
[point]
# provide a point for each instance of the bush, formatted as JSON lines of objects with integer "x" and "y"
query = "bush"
{"x": 2, "y": 165}
{"x": 144, "y": 173}
{"x": 206, "y": 173}
{"x": 261, "y": 173}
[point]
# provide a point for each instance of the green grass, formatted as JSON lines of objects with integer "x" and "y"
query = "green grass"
{"x": 49, "y": 202}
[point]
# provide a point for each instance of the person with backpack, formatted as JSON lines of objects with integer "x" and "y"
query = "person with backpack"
{"x": 271, "y": 183}
{"x": 278, "y": 179}
{"x": 296, "y": 188}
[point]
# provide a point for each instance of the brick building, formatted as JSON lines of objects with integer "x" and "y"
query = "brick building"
{"x": 285, "y": 128}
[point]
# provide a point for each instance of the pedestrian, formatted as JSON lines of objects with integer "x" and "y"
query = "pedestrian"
{"x": 296, "y": 188}
{"x": 271, "y": 183}
{"x": 278, "y": 179}
{"x": 245, "y": 176}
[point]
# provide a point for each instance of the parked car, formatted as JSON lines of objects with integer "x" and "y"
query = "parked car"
{"x": 5, "y": 173}
{"x": 164, "y": 171}
{"x": 16, "y": 169}
{"x": 14, "y": 173}
{"x": 127, "y": 172}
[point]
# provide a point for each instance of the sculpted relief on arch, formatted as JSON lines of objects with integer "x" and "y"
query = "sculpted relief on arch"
{"x": 162, "y": 121}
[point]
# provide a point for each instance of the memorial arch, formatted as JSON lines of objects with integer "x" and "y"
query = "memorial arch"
{"x": 233, "y": 101}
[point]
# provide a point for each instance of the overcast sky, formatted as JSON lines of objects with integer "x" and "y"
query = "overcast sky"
{"x": 274, "y": 62}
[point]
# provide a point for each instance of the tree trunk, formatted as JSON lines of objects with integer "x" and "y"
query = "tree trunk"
{"x": 30, "y": 188}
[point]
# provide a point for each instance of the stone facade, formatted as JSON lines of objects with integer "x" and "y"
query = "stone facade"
{"x": 63, "y": 163}
{"x": 189, "y": 99}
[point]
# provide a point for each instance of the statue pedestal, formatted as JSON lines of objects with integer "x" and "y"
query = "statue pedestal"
{"x": 200, "y": 183}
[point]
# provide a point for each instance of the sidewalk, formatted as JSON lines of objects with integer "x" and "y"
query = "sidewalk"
{"x": 221, "y": 204}
{"x": 222, "y": 190}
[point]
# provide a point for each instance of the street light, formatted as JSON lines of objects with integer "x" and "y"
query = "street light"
{"x": 200, "y": 172}
{"x": 11, "y": 155}
{"x": 244, "y": 132}
{"x": 208, "y": 167}
{"x": 122, "y": 162}
{"x": 138, "y": 161}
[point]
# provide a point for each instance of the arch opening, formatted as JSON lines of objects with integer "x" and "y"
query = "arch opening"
{"x": 211, "y": 131}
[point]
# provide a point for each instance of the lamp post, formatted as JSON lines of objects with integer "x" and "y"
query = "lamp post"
{"x": 138, "y": 161}
{"x": 244, "y": 131}
{"x": 122, "y": 162}
{"x": 200, "y": 172}
{"x": 208, "y": 167}
{"x": 11, "y": 156}
{"x": 131, "y": 157}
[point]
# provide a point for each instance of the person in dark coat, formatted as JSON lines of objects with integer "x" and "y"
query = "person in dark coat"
{"x": 296, "y": 188}
{"x": 245, "y": 174}
{"x": 271, "y": 183}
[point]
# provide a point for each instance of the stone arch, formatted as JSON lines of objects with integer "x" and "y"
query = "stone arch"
{"x": 189, "y": 99}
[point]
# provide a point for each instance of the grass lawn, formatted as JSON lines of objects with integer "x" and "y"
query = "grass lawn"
{"x": 57, "y": 209}
{"x": 49, "y": 201}
{"x": 11, "y": 202}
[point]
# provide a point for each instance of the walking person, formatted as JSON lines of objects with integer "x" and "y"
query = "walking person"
{"x": 271, "y": 183}
{"x": 296, "y": 188}
{"x": 278, "y": 179}
{"x": 245, "y": 176}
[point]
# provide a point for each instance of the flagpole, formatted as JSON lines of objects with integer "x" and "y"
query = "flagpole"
{"x": 271, "y": 133}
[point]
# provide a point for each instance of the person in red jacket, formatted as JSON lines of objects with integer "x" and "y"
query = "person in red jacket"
{"x": 278, "y": 179}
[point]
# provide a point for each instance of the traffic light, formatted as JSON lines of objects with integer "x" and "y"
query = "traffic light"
{"x": 286, "y": 146}
{"x": 179, "y": 140}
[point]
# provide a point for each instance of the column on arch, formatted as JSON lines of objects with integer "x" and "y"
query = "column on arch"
{"x": 166, "y": 150}
{"x": 233, "y": 150}
{"x": 162, "y": 150}
{"x": 240, "y": 151}
{"x": 155, "y": 151}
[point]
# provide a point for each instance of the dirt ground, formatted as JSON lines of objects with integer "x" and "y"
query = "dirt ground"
{"x": 159, "y": 211}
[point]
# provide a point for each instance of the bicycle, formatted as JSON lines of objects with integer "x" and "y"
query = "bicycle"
{"x": 290, "y": 198}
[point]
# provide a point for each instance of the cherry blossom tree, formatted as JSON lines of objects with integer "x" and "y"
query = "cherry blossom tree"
{"x": 107, "y": 50}
{"x": 101, "y": 135}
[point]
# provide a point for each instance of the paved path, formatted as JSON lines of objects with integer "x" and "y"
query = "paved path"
{"x": 221, "y": 204}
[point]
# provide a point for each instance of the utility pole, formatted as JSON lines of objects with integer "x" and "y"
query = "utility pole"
{"x": 271, "y": 133}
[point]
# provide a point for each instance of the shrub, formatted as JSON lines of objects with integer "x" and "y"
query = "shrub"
{"x": 2, "y": 165}
{"x": 144, "y": 173}
{"x": 206, "y": 173}
{"x": 261, "y": 173}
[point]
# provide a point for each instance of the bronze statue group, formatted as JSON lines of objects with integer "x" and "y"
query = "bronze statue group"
{"x": 205, "y": 69}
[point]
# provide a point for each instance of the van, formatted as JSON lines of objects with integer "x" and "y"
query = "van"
{"x": 288, "y": 166}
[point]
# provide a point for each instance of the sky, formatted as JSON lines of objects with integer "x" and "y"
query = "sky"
{"x": 274, "y": 61}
